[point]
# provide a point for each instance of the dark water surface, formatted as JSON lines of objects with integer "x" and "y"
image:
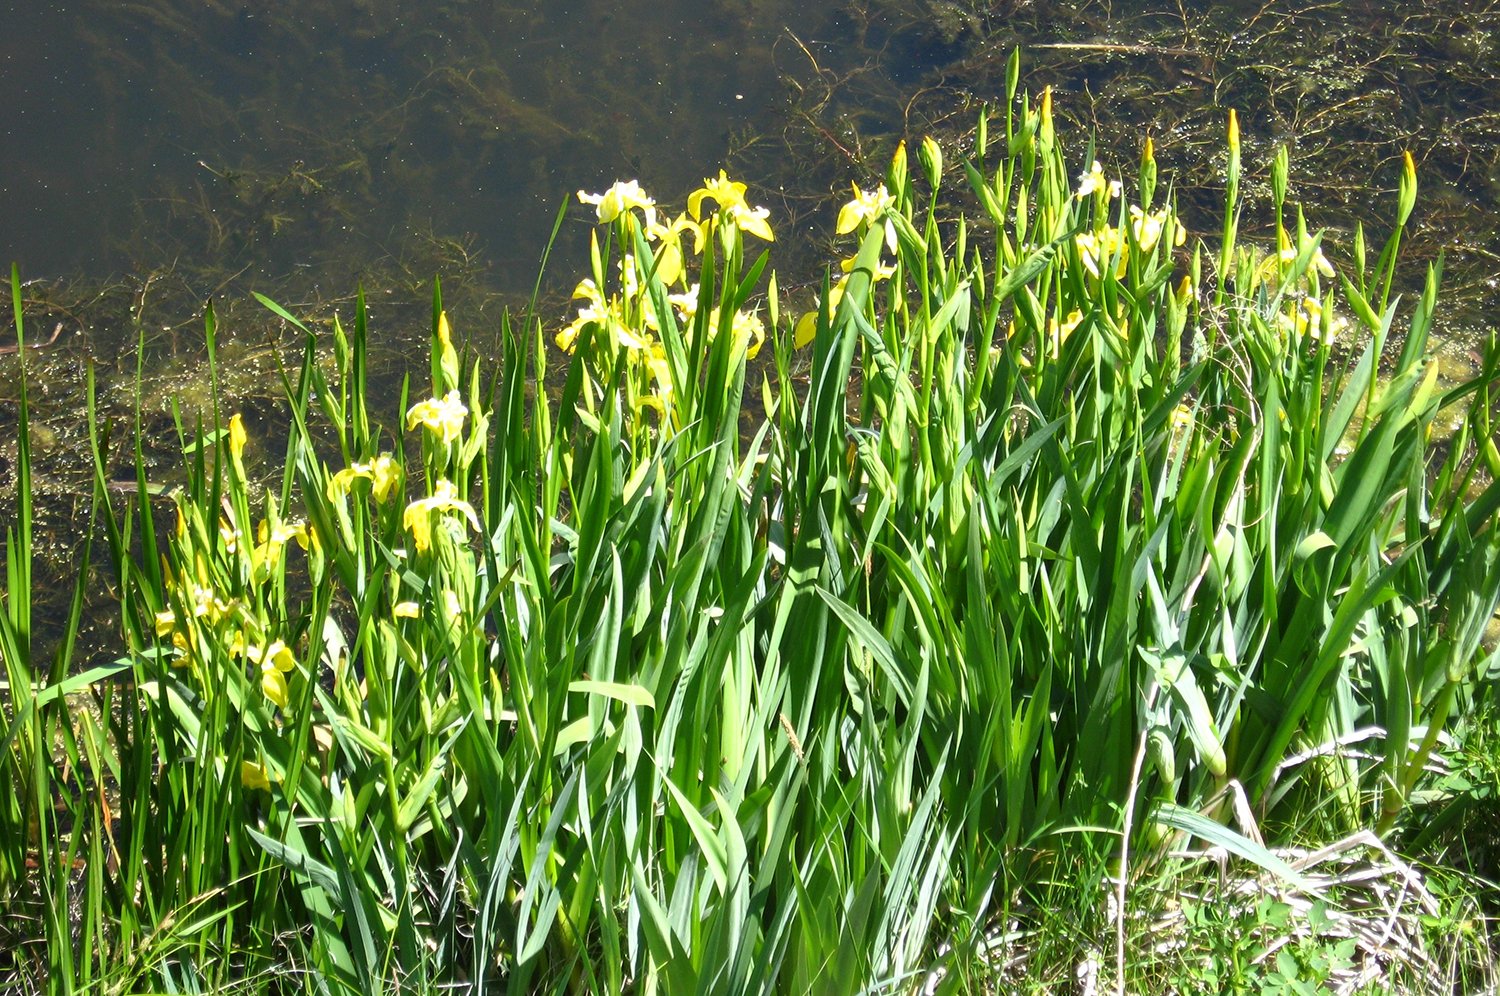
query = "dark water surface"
{"x": 343, "y": 137}
{"x": 304, "y": 146}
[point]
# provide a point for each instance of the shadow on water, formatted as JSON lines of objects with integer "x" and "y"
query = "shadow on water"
{"x": 159, "y": 154}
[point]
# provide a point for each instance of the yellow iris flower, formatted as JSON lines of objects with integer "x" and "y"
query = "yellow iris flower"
{"x": 383, "y": 473}
{"x": 1096, "y": 248}
{"x": 1307, "y": 319}
{"x": 868, "y": 207}
{"x": 600, "y": 312}
{"x": 276, "y": 662}
{"x": 1093, "y": 181}
{"x": 669, "y": 264}
{"x": 1057, "y": 334}
{"x": 1148, "y": 228}
{"x": 622, "y": 197}
{"x": 417, "y": 519}
{"x": 444, "y": 417}
{"x": 730, "y": 196}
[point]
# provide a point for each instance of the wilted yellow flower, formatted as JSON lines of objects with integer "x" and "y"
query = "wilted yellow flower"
{"x": 417, "y": 519}
{"x": 166, "y": 621}
{"x": 444, "y": 417}
{"x": 618, "y": 199}
{"x": 385, "y": 475}
{"x": 661, "y": 373}
{"x": 229, "y": 536}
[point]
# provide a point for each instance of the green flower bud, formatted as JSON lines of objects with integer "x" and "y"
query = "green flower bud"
{"x": 932, "y": 161}
{"x": 1408, "y": 189}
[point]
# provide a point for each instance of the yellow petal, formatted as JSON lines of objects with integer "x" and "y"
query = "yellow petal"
{"x": 419, "y": 525}
{"x": 755, "y": 223}
{"x": 806, "y": 330}
{"x": 254, "y": 777}
{"x": 236, "y": 437}
{"x": 385, "y": 475}
{"x": 273, "y": 683}
{"x": 849, "y": 217}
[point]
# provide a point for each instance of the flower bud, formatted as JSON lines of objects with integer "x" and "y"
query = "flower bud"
{"x": 1148, "y": 173}
{"x": 1279, "y": 168}
{"x": 1046, "y": 136}
{"x": 896, "y": 178}
{"x": 932, "y": 161}
{"x": 1408, "y": 189}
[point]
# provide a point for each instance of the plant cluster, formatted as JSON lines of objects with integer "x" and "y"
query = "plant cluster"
{"x": 1059, "y": 556}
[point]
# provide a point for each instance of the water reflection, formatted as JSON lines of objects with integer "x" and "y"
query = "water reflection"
{"x": 340, "y": 137}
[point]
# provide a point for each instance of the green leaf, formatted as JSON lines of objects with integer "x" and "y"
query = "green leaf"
{"x": 868, "y": 637}
{"x": 1171, "y": 815}
{"x": 299, "y": 862}
{"x": 709, "y": 843}
{"x": 629, "y": 694}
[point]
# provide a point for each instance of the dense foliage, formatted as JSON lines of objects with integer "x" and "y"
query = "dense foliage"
{"x": 705, "y": 675}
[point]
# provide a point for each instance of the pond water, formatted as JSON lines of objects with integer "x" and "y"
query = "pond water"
{"x": 301, "y": 147}
{"x": 338, "y": 140}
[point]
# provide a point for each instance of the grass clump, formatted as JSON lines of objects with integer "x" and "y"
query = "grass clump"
{"x": 1060, "y": 559}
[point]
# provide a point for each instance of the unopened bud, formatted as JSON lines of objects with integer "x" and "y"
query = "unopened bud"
{"x": 896, "y": 178}
{"x": 1148, "y": 173}
{"x": 932, "y": 161}
{"x": 1408, "y": 189}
